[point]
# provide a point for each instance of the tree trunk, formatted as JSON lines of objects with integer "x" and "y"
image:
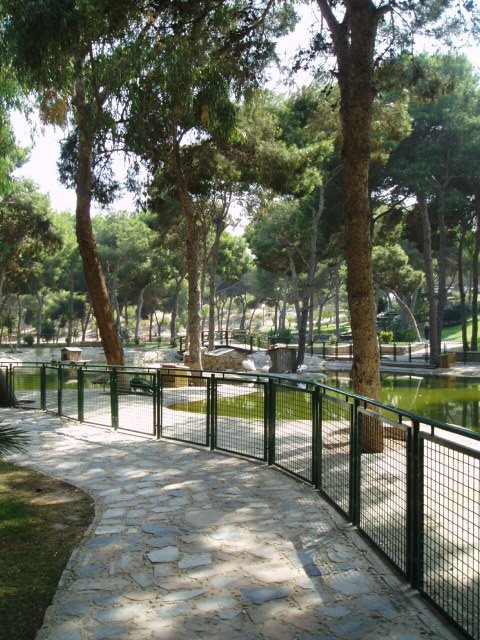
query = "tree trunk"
{"x": 442, "y": 265}
{"x": 461, "y": 286}
{"x": 20, "y": 320}
{"x": 138, "y": 315}
{"x": 211, "y": 294}
{"x": 40, "y": 300}
{"x": 354, "y": 45}
{"x": 409, "y": 314}
{"x": 295, "y": 290}
{"x": 429, "y": 281}
{"x": 86, "y": 241}
{"x": 85, "y": 324}
{"x": 173, "y": 317}
{"x": 194, "y": 319}
{"x": 308, "y": 290}
{"x": 475, "y": 256}
{"x": 70, "y": 306}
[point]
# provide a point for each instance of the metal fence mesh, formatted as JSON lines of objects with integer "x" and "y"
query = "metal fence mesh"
{"x": 451, "y": 548}
{"x": 383, "y": 485}
{"x": 294, "y": 430}
{"x": 184, "y": 408}
{"x": 96, "y": 398}
{"x": 69, "y": 384}
{"x": 336, "y": 447}
{"x": 136, "y": 406}
{"x": 51, "y": 389}
{"x": 447, "y": 487}
{"x": 240, "y": 418}
{"x": 26, "y": 383}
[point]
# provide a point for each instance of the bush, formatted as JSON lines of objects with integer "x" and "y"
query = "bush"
{"x": 453, "y": 314}
{"x": 28, "y": 340}
{"x": 386, "y": 337}
{"x": 48, "y": 330}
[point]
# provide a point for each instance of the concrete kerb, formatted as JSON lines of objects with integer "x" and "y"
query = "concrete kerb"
{"x": 194, "y": 544}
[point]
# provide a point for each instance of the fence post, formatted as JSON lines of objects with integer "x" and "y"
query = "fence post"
{"x": 158, "y": 404}
{"x": 354, "y": 510}
{"x": 317, "y": 402}
{"x": 43, "y": 387}
{"x": 270, "y": 422}
{"x": 394, "y": 351}
{"x": 211, "y": 411}
{"x": 59, "y": 389}
{"x": 81, "y": 394}
{"x": 415, "y": 495}
{"x": 10, "y": 382}
{"x": 114, "y": 397}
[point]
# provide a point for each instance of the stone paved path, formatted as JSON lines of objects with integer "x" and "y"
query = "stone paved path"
{"x": 189, "y": 544}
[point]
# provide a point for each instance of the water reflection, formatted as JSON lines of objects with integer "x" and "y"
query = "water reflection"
{"x": 449, "y": 399}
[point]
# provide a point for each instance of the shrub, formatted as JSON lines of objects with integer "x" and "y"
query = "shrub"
{"x": 28, "y": 340}
{"x": 386, "y": 337}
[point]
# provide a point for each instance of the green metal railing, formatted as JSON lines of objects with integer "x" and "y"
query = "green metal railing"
{"x": 410, "y": 485}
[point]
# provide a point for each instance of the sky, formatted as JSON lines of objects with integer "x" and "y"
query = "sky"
{"x": 42, "y": 166}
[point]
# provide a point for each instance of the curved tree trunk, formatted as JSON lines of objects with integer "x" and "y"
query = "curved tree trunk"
{"x": 409, "y": 314}
{"x": 86, "y": 241}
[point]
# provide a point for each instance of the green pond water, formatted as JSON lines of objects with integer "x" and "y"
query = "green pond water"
{"x": 445, "y": 399}
{"x": 448, "y": 399}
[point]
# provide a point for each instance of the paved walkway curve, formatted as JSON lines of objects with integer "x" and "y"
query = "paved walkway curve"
{"x": 189, "y": 544}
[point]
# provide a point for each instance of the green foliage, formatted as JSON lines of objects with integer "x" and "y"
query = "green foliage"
{"x": 28, "y": 340}
{"x": 386, "y": 337}
{"x": 453, "y": 314}
{"x": 11, "y": 439}
{"x": 47, "y": 330}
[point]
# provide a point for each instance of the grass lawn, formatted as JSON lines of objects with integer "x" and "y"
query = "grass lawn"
{"x": 455, "y": 333}
{"x": 42, "y": 520}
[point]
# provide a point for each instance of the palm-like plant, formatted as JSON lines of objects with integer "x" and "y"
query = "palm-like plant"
{"x": 11, "y": 439}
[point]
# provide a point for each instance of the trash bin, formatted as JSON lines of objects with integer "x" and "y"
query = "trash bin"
{"x": 283, "y": 359}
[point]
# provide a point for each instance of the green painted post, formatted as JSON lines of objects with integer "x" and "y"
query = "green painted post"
{"x": 415, "y": 506}
{"x": 43, "y": 387}
{"x": 355, "y": 453}
{"x": 317, "y": 399}
{"x": 59, "y": 389}
{"x": 81, "y": 394}
{"x": 114, "y": 398}
{"x": 317, "y": 441}
{"x": 271, "y": 423}
{"x": 211, "y": 411}
{"x": 158, "y": 404}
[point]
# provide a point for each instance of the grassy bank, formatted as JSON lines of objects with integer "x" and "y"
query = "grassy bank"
{"x": 42, "y": 520}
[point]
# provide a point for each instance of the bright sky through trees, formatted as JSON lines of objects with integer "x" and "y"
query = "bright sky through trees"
{"x": 42, "y": 166}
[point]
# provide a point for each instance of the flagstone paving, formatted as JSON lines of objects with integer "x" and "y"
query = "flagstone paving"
{"x": 191, "y": 544}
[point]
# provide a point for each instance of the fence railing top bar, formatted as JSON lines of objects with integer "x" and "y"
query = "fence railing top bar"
{"x": 262, "y": 377}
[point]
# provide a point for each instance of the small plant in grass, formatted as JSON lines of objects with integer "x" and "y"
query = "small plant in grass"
{"x": 11, "y": 439}
{"x": 28, "y": 340}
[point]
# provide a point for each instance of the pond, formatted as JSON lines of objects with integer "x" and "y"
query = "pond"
{"x": 451, "y": 399}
